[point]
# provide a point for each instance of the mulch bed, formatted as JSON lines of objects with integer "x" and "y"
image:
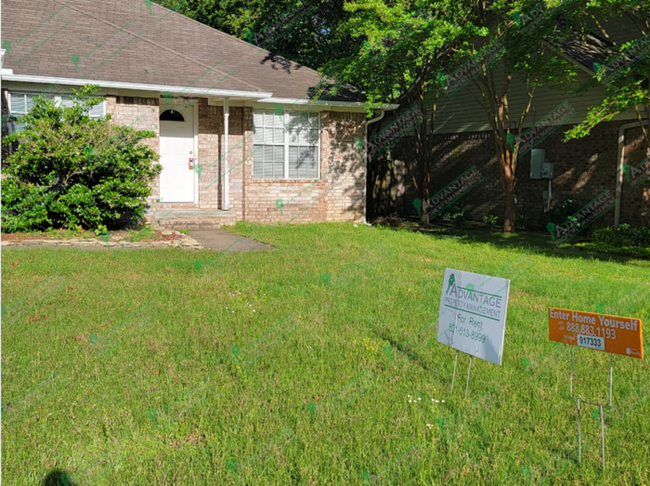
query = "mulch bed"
{"x": 18, "y": 237}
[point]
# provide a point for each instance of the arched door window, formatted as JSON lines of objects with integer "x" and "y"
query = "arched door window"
{"x": 172, "y": 115}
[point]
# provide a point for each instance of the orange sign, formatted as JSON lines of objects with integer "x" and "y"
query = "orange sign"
{"x": 612, "y": 334}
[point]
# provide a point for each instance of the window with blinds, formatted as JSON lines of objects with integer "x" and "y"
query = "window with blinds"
{"x": 21, "y": 103}
{"x": 286, "y": 146}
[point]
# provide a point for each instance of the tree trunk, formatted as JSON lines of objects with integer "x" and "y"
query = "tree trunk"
{"x": 508, "y": 163}
{"x": 511, "y": 206}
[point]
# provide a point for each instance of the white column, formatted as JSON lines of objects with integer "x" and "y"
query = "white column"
{"x": 226, "y": 189}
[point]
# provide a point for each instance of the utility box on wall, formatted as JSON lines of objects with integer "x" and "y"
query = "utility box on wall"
{"x": 547, "y": 170}
{"x": 537, "y": 158}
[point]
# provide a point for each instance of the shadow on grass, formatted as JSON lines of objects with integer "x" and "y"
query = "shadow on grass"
{"x": 57, "y": 477}
{"x": 470, "y": 233}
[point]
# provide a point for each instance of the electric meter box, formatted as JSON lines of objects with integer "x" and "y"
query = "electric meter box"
{"x": 537, "y": 158}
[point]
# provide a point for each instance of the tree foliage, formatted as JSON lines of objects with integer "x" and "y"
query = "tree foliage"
{"x": 624, "y": 71}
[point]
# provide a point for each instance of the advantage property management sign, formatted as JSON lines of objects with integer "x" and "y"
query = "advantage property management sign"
{"x": 473, "y": 314}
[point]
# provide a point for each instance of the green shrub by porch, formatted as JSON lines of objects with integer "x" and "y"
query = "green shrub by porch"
{"x": 71, "y": 171}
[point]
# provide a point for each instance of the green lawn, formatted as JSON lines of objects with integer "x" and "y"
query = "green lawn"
{"x": 308, "y": 381}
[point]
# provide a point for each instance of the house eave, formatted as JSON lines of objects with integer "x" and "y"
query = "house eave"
{"x": 303, "y": 101}
{"x": 25, "y": 78}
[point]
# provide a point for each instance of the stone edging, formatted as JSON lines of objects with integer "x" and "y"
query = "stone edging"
{"x": 183, "y": 241}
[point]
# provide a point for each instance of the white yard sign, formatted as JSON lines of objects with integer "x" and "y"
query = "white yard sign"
{"x": 473, "y": 314}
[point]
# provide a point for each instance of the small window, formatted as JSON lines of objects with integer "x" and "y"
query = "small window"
{"x": 172, "y": 115}
{"x": 21, "y": 103}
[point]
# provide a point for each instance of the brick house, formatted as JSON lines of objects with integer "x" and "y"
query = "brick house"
{"x": 237, "y": 130}
{"x": 581, "y": 169}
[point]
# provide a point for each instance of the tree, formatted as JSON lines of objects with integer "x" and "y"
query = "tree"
{"x": 514, "y": 41}
{"x": 418, "y": 42}
{"x": 69, "y": 170}
{"x": 305, "y": 31}
{"x": 402, "y": 45}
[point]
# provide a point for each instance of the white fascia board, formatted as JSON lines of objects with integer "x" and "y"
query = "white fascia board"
{"x": 134, "y": 86}
{"x": 302, "y": 101}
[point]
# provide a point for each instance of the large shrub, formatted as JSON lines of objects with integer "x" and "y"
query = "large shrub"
{"x": 69, "y": 170}
{"x": 625, "y": 235}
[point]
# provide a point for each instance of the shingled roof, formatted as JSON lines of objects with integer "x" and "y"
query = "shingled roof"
{"x": 133, "y": 41}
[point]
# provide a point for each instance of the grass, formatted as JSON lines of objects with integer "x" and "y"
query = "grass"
{"x": 306, "y": 383}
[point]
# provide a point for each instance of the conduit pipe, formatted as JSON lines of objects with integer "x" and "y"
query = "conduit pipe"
{"x": 619, "y": 168}
{"x": 365, "y": 186}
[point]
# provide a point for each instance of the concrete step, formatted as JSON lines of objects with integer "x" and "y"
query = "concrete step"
{"x": 193, "y": 219}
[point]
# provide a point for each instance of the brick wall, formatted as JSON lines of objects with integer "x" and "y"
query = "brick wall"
{"x": 140, "y": 114}
{"x": 583, "y": 169}
{"x": 336, "y": 196}
{"x": 210, "y": 139}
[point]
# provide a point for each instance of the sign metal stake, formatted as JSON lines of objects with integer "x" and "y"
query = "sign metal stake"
{"x": 469, "y": 369}
{"x": 602, "y": 434}
{"x": 579, "y": 435}
{"x": 454, "y": 375}
{"x": 600, "y": 406}
{"x": 629, "y": 342}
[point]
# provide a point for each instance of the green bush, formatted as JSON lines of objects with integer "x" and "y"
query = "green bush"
{"x": 625, "y": 236}
{"x": 559, "y": 214}
{"x": 70, "y": 170}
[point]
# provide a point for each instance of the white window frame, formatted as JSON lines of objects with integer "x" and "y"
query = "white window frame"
{"x": 57, "y": 98}
{"x": 288, "y": 144}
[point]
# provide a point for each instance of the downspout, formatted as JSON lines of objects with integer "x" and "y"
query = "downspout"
{"x": 226, "y": 181}
{"x": 365, "y": 186}
{"x": 619, "y": 168}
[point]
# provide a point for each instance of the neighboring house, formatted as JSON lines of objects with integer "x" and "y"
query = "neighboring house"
{"x": 238, "y": 134}
{"x": 582, "y": 169}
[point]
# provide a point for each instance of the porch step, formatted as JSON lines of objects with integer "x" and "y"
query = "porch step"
{"x": 193, "y": 219}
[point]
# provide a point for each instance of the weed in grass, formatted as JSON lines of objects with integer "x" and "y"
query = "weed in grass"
{"x": 145, "y": 233}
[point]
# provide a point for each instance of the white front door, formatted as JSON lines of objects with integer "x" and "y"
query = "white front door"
{"x": 176, "y": 148}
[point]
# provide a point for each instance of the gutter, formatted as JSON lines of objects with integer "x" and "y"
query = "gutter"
{"x": 346, "y": 104}
{"x": 619, "y": 168}
{"x": 365, "y": 154}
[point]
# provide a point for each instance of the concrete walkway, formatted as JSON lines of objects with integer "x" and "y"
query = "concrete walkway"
{"x": 222, "y": 240}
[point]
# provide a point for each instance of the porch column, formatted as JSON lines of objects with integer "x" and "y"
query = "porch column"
{"x": 226, "y": 189}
